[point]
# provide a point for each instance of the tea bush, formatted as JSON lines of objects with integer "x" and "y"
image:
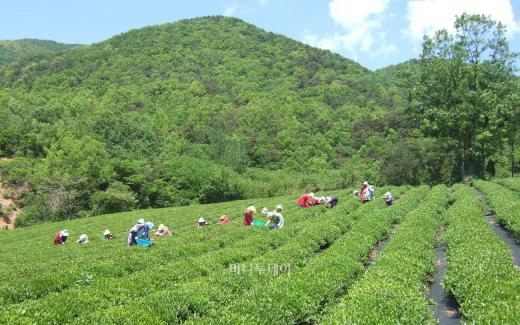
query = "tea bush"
{"x": 480, "y": 272}
{"x": 504, "y": 203}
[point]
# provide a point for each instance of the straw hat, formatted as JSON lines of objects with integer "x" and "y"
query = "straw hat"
{"x": 365, "y": 183}
{"x": 161, "y": 227}
{"x": 222, "y": 217}
{"x": 251, "y": 208}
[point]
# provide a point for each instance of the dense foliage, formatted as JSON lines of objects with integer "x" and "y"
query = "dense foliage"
{"x": 466, "y": 92}
{"x": 202, "y": 110}
{"x": 207, "y": 110}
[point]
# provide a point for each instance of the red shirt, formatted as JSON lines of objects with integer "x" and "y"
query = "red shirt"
{"x": 248, "y": 218}
{"x": 224, "y": 220}
{"x": 58, "y": 240}
{"x": 362, "y": 193}
{"x": 304, "y": 201}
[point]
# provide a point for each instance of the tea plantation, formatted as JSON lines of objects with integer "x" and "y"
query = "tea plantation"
{"x": 355, "y": 263}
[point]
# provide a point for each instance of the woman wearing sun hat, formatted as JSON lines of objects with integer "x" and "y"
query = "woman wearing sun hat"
{"x": 224, "y": 219}
{"x": 132, "y": 233}
{"x": 248, "y": 216}
{"x": 108, "y": 235}
{"x": 202, "y": 222}
{"x": 276, "y": 220}
{"x": 306, "y": 200}
{"x": 83, "y": 239}
{"x": 162, "y": 230}
{"x": 61, "y": 237}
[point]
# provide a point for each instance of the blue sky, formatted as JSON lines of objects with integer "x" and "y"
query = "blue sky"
{"x": 375, "y": 33}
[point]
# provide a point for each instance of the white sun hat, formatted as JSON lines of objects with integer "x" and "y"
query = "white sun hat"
{"x": 83, "y": 239}
{"x": 106, "y": 232}
{"x": 140, "y": 221}
{"x": 201, "y": 219}
{"x": 251, "y": 208}
{"x": 279, "y": 207}
{"x": 65, "y": 232}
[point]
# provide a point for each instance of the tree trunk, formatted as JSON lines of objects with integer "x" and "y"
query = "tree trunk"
{"x": 512, "y": 156}
{"x": 464, "y": 163}
{"x": 462, "y": 156}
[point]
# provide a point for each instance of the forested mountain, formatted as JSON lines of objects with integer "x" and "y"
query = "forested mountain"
{"x": 203, "y": 110}
{"x": 217, "y": 72}
{"x": 11, "y": 51}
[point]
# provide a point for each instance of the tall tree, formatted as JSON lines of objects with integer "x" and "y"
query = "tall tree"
{"x": 513, "y": 122}
{"x": 463, "y": 89}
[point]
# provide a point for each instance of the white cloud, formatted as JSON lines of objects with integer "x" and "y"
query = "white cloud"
{"x": 263, "y": 2}
{"x": 362, "y": 22}
{"x": 428, "y": 16}
{"x": 354, "y": 43}
{"x": 327, "y": 43}
{"x": 230, "y": 10}
{"x": 353, "y": 13}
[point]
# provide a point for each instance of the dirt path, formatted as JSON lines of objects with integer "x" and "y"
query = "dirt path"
{"x": 5, "y": 203}
{"x": 445, "y": 307}
{"x": 505, "y": 236}
{"x": 374, "y": 254}
{"x": 500, "y": 231}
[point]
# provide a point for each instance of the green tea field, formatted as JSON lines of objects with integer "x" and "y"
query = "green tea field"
{"x": 433, "y": 257}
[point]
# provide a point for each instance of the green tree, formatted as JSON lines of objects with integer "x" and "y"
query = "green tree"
{"x": 117, "y": 197}
{"x": 72, "y": 170}
{"x": 462, "y": 87}
{"x": 513, "y": 123}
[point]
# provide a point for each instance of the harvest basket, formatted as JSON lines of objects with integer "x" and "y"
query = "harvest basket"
{"x": 258, "y": 223}
{"x": 143, "y": 242}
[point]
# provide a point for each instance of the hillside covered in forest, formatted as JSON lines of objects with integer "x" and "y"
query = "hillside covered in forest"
{"x": 11, "y": 51}
{"x": 204, "y": 110}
